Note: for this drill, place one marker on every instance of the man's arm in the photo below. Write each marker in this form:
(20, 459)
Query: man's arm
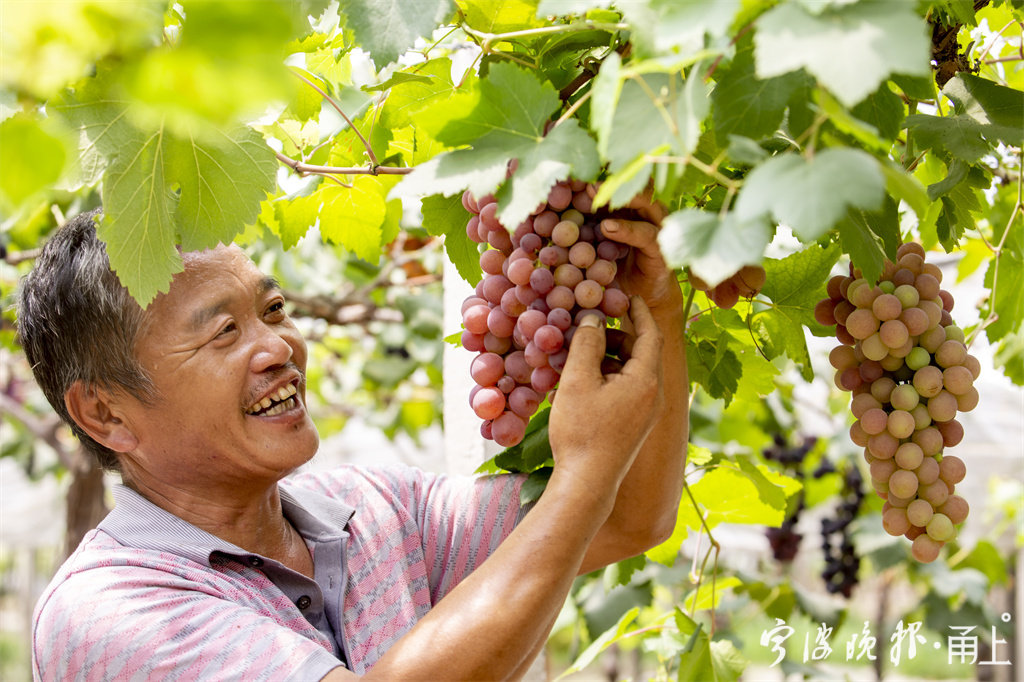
(645, 508)
(491, 623)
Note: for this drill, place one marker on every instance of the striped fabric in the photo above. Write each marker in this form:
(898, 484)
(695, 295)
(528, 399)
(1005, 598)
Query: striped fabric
(148, 596)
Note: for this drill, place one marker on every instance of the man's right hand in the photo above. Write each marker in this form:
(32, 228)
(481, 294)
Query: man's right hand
(598, 422)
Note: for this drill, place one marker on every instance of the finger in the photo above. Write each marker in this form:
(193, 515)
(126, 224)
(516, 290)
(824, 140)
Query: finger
(639, 234)
(646, 356)
(649, 209)
(583, 366)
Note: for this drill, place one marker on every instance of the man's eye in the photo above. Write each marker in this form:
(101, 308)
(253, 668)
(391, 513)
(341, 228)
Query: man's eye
(275, 308)
(228, 328)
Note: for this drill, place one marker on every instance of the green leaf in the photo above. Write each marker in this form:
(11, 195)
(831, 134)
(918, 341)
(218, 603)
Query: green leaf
(716, 368)
(709, 593)
(608, 638)
(387, 28)
(984, 114)
(795, 284)
(687, 517)
(423, 85)
(871, 239)
(446, 216)
(534, 485)
(743, 104)
(354, 216)
(884, 110)
(713, 247)
(500, 16)
(850, 49)
(669, 26)
(1009, 356)
(31, 158)
(1008, 300)
(294, 218)
(729, 495)
(654, 110)
(811, 196)
(605, 95)
(138, 220)
(988, 560)
(221, 185)
(566, 150)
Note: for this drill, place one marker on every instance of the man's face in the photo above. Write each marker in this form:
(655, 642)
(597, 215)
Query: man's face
(228, 365)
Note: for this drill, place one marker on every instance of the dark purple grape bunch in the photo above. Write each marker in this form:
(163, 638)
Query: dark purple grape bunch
(841, 559)
(785, 540)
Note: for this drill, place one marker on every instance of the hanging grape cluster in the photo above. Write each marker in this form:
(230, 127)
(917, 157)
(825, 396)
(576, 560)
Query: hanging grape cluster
(906, 363)
(841, 560)
(539, 281)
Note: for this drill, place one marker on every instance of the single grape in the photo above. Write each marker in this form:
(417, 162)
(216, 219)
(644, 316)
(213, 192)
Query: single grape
(549, 339)
(956, 508)
(927, 472)
(862, 403)
(904, 397)
(916, 321)
(874, 421)
(886, 307)
(903, 483)
(893, 333)
(909, 456)
(488, 402)
(589, 293)
(928, 381)
(925, 549)
(900, 424)
(862, 323)
(952, 432)
(874, 348)
(882, 389)
(930, 440)
(895, 521)
(508, 429)
(524, 401)
(952, 469)
(950, 354)
(919, 512)
(825, 312)
(941, 528)
(487, 368)
(918, 358)
(614, 303)
(942, 407)
(908, 296)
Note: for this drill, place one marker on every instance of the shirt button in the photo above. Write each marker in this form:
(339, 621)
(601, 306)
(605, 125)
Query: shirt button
(255, 561)
(303, 602)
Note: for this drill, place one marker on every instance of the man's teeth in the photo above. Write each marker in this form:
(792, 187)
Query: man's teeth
(283, 398)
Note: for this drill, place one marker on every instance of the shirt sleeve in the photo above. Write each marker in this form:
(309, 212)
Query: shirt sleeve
(127, 623)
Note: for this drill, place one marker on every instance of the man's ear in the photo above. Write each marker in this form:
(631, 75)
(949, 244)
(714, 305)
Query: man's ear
(94, 411)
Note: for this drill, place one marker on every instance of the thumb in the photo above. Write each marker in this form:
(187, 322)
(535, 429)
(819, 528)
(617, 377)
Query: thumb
(583, 366)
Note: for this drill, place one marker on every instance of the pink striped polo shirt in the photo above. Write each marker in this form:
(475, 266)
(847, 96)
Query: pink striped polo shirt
(149, 596)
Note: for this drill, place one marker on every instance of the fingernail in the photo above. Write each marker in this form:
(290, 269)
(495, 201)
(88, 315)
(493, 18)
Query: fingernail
(590, 321)
(610, 225)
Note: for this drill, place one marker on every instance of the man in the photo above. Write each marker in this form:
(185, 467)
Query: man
(213, 566)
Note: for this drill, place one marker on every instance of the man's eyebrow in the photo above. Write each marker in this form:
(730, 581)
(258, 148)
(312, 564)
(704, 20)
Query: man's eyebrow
(204, 315)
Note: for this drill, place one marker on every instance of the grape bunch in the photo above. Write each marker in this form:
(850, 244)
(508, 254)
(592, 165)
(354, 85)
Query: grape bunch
(906, 363)
(539, 281)
(785, 540)
(841, 561)
(745, 283)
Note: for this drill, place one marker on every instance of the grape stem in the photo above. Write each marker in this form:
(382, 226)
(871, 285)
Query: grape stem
(304, 168)
(337, 107)
(714, 547)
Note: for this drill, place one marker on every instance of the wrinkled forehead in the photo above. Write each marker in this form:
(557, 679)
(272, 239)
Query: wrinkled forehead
(214, 275)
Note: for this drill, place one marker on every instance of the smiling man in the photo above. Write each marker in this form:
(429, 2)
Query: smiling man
(217, 563)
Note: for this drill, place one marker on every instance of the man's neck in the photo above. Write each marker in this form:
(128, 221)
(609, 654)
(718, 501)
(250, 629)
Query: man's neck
(252, 519)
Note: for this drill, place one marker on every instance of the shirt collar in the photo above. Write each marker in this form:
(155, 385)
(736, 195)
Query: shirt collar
(137, 522)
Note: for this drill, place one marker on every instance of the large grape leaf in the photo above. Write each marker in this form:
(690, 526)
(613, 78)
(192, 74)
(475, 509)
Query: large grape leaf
(652, 111)
(712, 246)
(794, 284)
(138, 218)
(744, 104)
(387, 28)
(850, 49)
(504, 119)
(985, 114)
(354, 216)
(810, 196)
(221, 185)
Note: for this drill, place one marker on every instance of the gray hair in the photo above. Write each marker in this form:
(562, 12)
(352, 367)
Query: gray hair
(76, 322)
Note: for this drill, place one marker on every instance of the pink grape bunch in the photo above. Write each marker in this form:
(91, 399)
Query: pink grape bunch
(539, 280)
(906, 363)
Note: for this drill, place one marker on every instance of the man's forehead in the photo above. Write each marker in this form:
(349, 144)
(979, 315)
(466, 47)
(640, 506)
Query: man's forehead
(213, 277)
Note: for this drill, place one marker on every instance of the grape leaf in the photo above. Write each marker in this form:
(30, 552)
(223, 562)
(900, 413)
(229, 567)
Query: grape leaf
(713, 247)
(666, 26)
(811, 196)
(861, 235)
(1008, 301)
(795, 284)
(500, 16)
(221, 185)
(31, 158)
(716, 368)
(446, 216)
(504, 119)
(730, 495)
(138, 218)
(429, 84)
(850, 49)
(293, 219)
(884, 110)
(984, 114)
(742, 103)
(387, 28)
(654, 110)
(354, 216)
